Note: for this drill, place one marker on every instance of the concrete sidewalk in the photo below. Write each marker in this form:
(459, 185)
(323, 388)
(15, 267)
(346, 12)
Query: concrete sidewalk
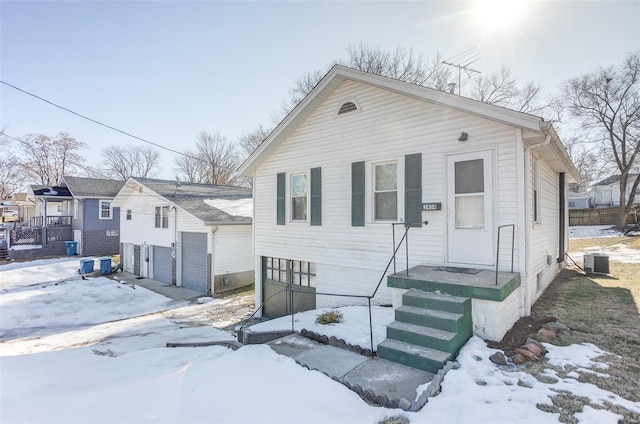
(172, 292)
(383, 382)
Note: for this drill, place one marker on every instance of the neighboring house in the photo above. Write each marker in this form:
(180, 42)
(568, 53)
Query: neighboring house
(578, 200)
(606, 193)
(77, 209)
(197, 236)
(19, 205)
(361, 152)
(95, 222)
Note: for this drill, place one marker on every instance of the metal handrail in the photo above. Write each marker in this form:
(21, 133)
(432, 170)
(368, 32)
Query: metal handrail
(292, 290)
(513, 237)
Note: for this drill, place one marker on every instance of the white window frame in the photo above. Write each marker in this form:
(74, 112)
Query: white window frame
(370, 190)
(100, 210)
(75, 208)
(162, 223)
(290, 196)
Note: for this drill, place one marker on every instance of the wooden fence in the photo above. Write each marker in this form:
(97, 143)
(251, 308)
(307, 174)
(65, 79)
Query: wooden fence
(598, 216)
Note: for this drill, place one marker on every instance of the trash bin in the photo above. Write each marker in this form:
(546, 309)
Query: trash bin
(105, 266)
(86, 266)
(71, 247)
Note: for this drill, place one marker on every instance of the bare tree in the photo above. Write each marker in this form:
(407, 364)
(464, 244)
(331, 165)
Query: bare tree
(402, 64)
(214, 162)
(131, 161)
(501, 88)
(607, 102)
(11, 177)
(45, 160)
(189, 167)
(587, 160)
(250, 141)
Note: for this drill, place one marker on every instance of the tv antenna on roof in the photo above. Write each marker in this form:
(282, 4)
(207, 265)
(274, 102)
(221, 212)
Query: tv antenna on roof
(463, 61)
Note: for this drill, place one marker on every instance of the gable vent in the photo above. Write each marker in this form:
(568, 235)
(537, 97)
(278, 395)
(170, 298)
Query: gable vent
(347, 107)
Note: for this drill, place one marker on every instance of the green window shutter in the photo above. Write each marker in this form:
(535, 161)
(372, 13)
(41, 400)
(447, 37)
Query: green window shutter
(281, 200)
(413, 189)
(357, 194)
(316, 196)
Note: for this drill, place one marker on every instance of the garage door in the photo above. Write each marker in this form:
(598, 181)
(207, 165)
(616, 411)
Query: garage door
(194, 261)
(162, 264)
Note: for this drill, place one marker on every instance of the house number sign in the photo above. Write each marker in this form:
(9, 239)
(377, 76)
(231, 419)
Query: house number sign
(432, 206)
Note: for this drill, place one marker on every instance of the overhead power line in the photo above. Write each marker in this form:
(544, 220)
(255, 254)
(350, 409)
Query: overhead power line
(107, 126)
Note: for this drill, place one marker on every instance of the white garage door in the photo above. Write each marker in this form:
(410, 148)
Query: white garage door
(194, 261)
(162, 264)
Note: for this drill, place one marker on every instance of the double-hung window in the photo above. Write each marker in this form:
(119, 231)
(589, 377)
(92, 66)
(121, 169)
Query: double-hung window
(299, 190)
(385, 191)
(162, 216)
(105, 209)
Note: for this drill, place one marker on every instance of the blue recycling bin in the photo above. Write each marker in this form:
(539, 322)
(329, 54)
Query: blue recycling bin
(86, 266)
(105, 266)
(71, 247)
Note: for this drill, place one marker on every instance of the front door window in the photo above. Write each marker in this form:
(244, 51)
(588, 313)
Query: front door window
(469, 194)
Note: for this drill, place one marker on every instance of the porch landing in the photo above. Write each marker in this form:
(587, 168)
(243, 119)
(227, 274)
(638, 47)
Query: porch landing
(481, 285)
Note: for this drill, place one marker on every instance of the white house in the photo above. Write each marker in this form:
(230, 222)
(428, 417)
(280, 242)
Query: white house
(606, 193)
(578, 200)
(197, 236)
(363, 151)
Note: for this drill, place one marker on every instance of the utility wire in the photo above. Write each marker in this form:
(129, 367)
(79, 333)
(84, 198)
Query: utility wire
(106, 126)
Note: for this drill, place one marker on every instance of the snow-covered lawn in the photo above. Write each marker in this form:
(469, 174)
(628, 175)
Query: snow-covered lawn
(86, 359)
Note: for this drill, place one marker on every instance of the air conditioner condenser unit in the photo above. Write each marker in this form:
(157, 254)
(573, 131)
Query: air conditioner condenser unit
(596, 263)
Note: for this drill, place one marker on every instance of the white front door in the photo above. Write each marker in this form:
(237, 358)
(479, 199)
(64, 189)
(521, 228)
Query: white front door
(470, 208)
(144, 260)
(129, 258)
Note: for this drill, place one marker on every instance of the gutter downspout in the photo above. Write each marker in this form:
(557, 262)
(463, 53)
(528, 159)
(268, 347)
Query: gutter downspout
(214, 230)
(544, 127)
(175, 246)
(562, 217)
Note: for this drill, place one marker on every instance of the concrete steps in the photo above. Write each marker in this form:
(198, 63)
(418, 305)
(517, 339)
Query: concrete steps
(429, 330)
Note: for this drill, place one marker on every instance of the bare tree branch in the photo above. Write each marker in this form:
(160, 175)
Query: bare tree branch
(607, 101)
(131, 161)
(45, 160)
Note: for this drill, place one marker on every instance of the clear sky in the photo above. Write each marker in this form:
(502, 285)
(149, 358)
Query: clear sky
(166, 70)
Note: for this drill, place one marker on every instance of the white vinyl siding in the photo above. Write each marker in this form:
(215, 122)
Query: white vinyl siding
(389, 126)
(543, 247)
(232, 248)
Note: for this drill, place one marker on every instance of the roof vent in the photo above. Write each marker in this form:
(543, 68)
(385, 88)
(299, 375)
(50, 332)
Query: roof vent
(347, 107)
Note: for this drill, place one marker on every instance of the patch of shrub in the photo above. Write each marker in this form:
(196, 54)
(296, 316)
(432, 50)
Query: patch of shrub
(330, 317)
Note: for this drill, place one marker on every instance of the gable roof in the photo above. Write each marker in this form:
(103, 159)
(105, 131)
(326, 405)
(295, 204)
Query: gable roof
(613, 179)
(197, 199)
(91, 187)
(535, 129)
(574, 195)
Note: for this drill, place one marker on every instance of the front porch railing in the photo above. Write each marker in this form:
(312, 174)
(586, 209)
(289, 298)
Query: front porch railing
(513, 236)
(51, 221)
(291, 289)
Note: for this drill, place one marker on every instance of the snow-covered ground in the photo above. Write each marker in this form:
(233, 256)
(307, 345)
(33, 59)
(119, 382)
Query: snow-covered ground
(617, 252)
(74, 350)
